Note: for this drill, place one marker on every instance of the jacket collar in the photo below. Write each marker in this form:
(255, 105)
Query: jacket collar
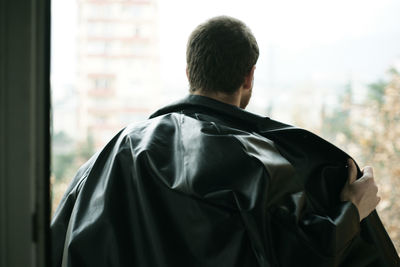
(197, 102)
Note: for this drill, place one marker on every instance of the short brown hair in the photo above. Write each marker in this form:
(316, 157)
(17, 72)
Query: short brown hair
(219, 54)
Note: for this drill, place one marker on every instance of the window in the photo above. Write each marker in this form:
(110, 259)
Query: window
(323, 66)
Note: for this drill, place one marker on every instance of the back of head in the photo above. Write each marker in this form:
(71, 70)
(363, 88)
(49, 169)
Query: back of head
(220, 53)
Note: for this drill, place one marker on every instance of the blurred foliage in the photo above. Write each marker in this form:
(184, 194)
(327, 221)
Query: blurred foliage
(63, 163)
(62, 156)
(87, 149)
(339, 120)
(66, 158)
(370, 132)
(376, 92)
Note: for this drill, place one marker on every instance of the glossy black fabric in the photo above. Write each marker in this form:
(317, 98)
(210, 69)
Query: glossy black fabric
(202, 183)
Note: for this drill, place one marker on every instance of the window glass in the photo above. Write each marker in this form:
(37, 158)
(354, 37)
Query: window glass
(331, 67)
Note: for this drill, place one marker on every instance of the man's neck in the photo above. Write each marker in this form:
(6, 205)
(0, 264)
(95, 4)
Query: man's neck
(232, 99)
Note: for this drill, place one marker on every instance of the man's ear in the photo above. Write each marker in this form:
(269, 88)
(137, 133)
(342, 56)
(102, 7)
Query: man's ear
(248, 80)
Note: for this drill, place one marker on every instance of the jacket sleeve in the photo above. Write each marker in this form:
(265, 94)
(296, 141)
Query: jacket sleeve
(303, 236)
(306, 224)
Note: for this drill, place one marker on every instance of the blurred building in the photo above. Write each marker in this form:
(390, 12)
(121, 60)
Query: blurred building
(118, 77)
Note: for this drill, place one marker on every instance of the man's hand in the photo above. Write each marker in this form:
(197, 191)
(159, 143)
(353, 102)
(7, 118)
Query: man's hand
(362, 192)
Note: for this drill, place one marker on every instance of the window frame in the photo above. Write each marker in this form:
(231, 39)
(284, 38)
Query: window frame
(25, 133)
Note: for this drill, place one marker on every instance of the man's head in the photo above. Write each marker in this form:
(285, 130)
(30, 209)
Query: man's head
(220, 55)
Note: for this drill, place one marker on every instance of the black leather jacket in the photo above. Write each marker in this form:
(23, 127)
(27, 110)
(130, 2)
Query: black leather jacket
(203, 183)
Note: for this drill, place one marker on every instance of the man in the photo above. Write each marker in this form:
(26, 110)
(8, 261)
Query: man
(205, 183)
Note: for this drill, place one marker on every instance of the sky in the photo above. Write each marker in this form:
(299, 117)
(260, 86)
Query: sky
(315, 44)
(307, 38)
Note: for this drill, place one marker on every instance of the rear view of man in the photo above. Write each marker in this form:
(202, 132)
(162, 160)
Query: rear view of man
(205, 183)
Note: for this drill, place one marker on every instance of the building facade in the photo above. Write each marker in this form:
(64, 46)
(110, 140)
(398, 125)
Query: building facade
(118, 77)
